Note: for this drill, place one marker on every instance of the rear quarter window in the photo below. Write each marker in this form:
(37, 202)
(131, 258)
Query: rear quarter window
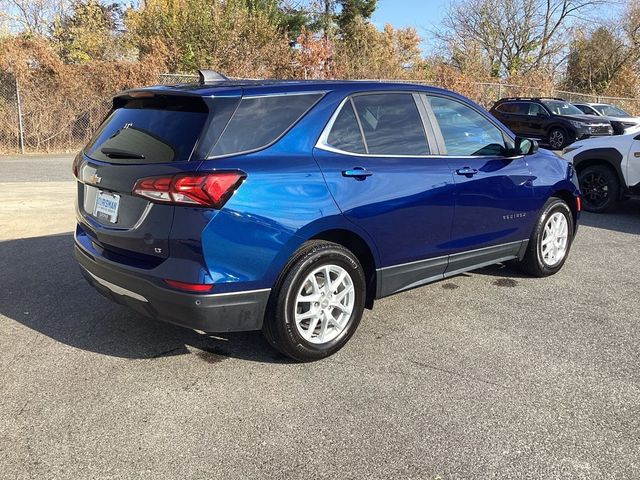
(345, 134)
(259, 121)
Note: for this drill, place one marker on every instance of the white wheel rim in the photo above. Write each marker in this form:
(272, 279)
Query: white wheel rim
(324, 304)
(555, 238)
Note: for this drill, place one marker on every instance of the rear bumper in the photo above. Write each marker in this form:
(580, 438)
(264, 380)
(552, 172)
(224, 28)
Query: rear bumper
(223, 312)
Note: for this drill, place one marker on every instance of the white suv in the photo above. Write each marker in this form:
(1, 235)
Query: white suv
(608, 169)
(620, 120)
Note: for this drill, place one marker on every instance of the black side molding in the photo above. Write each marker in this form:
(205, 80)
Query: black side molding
(396, 278)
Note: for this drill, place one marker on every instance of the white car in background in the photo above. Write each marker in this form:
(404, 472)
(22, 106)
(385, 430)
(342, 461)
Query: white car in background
(620, 120)
(608, 169)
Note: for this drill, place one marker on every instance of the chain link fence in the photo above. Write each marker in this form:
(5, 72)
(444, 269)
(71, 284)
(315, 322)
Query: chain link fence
(35, 118)
(174, 78)
(10, 141)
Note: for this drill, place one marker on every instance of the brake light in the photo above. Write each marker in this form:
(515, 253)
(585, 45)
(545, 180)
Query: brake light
(203, 189)
(189, 287)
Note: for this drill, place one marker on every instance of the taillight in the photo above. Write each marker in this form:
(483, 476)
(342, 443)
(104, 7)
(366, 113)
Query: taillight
(189, 287)
(578, 203)
(200, 189)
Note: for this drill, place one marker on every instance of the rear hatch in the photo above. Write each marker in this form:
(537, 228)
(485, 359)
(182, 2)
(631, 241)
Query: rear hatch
(147, 134)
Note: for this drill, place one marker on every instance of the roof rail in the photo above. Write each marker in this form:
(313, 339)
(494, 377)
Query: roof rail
(531, 98)
(210, 76)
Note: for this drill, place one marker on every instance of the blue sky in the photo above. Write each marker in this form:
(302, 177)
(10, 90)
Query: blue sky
(423, 15)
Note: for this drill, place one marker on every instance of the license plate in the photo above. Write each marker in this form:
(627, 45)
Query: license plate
(107, 206)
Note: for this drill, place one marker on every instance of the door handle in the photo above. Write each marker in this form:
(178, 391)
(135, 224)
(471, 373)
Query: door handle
(467, 171)
(357, 172)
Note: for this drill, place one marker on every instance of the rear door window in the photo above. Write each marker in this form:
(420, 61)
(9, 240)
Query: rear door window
(259, 121)
(160, 129)
(511, 108)
(515, 108)
(521, 108)
(391, 124)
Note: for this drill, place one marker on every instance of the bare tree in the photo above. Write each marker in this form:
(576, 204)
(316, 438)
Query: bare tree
(599, 56)
(32, 16)
(514, 36)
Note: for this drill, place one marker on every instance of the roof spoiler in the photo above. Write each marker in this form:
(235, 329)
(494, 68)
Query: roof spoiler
(210, 76)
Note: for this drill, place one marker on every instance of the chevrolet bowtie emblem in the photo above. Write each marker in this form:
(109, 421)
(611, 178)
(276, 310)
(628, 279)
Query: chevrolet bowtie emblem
(95, 179)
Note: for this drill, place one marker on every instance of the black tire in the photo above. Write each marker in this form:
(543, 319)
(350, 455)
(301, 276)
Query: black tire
(600, 188)
(533, 262)
(280, 328)
(557, 138)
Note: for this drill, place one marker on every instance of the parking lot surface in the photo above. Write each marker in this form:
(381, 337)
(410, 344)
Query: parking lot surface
(486, 375)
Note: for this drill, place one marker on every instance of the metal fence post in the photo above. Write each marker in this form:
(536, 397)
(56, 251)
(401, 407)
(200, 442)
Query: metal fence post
(20, 127)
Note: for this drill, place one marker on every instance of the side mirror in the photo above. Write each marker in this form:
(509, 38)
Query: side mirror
(525, 146)
(541, 115)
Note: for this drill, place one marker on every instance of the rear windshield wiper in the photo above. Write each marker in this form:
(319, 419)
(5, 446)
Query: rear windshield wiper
(117, 153)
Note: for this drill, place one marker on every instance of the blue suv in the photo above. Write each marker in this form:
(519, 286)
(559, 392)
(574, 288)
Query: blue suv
(290, 206)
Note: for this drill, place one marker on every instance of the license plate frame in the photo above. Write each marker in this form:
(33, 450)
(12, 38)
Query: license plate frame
(107, 206)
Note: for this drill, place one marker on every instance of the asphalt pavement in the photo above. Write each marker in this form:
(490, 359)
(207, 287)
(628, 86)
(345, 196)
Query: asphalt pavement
(490, 374)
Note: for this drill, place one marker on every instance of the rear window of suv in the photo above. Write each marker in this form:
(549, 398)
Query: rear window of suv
(259, 121)
(159, 129)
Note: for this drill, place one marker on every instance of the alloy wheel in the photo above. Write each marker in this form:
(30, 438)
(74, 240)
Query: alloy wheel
(556, 139)
(595, 188)
(555, 239)
(324, 304)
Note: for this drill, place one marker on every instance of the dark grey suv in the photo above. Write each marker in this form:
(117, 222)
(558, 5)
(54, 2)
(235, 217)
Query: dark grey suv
(553, 121)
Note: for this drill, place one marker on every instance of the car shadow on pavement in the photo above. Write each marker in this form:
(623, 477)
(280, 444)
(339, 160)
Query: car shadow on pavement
(625, 218)
(42, 288)
(504, 272)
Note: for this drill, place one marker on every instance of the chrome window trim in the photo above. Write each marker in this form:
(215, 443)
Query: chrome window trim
(322, 144)
(322, 141)
(328, 148)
